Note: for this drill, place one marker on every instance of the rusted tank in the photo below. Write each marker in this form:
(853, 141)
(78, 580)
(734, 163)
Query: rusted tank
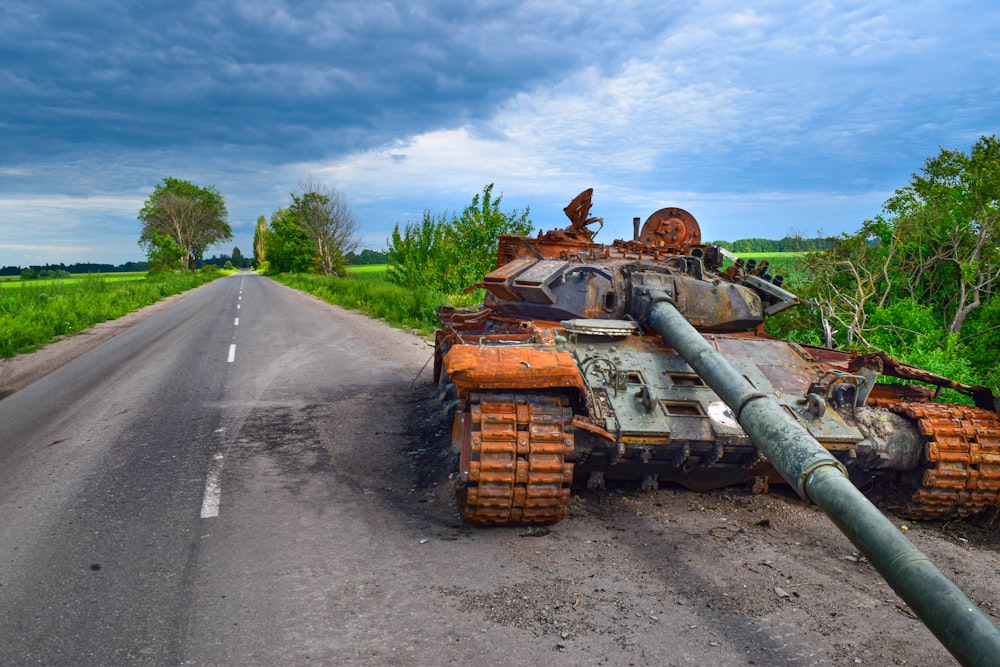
(646, 361)
(562, 381)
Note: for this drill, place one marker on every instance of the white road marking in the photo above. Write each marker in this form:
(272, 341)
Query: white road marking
(236, 322)
(213, 489)
(237, 306)
(232, 353)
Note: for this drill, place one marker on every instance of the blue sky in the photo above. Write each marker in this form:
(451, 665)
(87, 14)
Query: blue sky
(761, 118)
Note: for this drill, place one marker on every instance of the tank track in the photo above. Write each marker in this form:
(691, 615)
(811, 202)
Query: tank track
(963, 457)
(512, 458)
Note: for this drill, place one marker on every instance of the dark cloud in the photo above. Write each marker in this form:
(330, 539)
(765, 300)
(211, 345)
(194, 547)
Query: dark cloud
(274, 75)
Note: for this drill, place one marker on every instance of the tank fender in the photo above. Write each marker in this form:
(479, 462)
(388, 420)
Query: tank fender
(473, 368)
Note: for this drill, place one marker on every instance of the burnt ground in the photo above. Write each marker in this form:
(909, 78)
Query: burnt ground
(766, 571)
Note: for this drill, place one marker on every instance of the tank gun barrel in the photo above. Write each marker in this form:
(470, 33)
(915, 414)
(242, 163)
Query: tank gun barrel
(962, 628)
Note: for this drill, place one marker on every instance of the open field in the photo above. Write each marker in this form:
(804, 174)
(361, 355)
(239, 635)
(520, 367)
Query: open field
(15, 281)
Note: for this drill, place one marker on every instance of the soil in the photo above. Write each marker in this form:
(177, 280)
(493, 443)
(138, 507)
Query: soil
(767, 571)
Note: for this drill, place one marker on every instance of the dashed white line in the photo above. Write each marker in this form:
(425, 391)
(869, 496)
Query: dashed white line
(236, 322)
(213, 489)
(232, 353)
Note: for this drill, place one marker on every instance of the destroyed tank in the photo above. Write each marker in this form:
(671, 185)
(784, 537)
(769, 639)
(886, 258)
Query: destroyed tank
(578, 371)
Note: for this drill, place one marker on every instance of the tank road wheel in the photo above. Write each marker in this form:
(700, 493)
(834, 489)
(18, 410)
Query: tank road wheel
(512, 458)
(962, 454)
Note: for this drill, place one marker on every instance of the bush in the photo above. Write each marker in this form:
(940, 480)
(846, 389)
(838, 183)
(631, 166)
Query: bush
(450, 255)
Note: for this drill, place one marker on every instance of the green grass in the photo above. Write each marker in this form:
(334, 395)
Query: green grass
(367, 290)
(7, 282)
(375, 271)
(788, 264)
(34, 312)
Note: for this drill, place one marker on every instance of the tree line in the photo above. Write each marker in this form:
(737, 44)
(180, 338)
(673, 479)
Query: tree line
(786, 244)
(62, 270)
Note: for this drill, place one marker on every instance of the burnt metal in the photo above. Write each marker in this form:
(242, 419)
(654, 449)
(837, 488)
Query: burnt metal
(646, 359)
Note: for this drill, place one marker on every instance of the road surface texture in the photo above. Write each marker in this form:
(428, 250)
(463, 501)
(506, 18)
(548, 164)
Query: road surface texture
(249, 476)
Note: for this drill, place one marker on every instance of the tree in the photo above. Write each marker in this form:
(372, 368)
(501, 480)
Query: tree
(946, 229)
(288, 249)
(921, 280)
(238, 260)
(194, 217)
(367, 257)
(164, 254)
(327, 221)
(935, 244)
(260, 233)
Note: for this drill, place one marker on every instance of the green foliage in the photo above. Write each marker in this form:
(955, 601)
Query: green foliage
(451, 255)
(922, 279)
(416, 255)
(193, 217)
(33, 314)
(366, 257)
(945, 229)
(786, 244)
(470, 244)
(369, 291)
(163, 253)
(260, 234)
(288, 248)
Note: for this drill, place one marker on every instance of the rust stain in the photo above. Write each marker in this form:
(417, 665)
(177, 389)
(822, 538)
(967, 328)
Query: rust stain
(471, 367)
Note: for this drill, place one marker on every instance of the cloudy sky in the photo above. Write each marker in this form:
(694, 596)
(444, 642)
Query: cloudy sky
(761, 118)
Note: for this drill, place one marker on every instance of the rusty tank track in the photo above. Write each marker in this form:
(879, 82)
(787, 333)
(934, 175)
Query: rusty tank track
(963, 456)
(512, 458)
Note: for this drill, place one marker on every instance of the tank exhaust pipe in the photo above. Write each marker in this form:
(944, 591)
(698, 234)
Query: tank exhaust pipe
(961, 627)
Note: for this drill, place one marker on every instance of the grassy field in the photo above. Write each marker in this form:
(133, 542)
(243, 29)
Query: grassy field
(15, 281)
(788, 264)
(34, 312)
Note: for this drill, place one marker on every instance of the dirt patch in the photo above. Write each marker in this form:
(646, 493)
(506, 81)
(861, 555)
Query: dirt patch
(703, 571)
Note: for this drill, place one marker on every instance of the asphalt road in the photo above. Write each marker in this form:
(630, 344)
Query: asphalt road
(252, 477)
(146, 515)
